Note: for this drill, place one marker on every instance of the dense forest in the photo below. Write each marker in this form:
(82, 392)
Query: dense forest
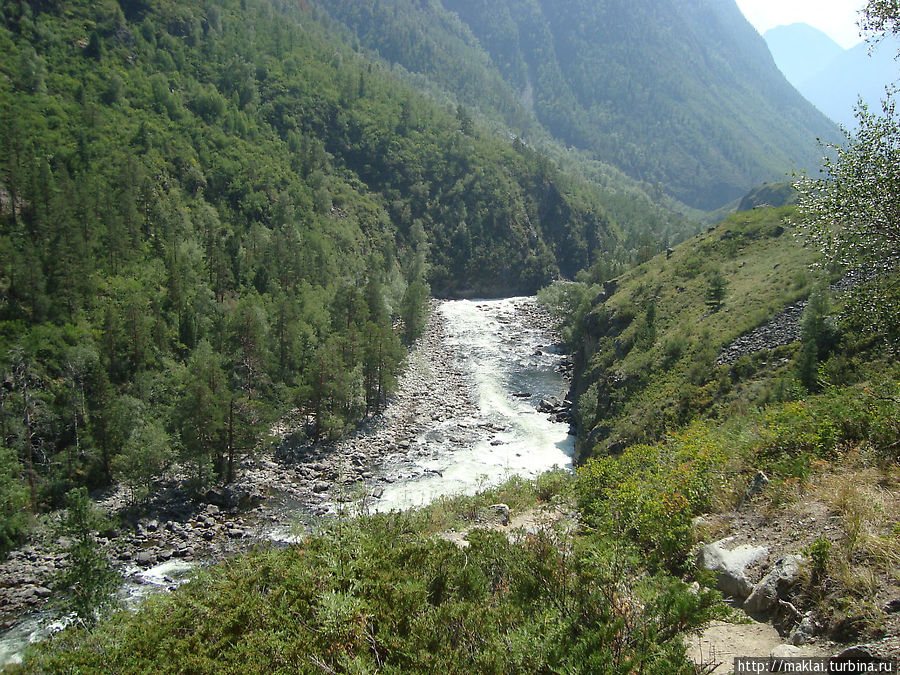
(222, 216)
(683, 97)
(214, 213)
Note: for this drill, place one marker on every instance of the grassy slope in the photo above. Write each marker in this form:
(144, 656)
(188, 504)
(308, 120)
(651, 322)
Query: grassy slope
(648, 357)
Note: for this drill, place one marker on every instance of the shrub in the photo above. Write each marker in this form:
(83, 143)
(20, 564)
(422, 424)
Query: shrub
(649, 494)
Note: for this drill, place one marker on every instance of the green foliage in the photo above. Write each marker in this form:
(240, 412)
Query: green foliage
(716, 288)
(375, 594)
(569, 302)
(88, 582)
(147, 454)
(649, 494)
(817, 337)
(819, 553)
(648, 345)
(13, 501)
(851, 211)
(212, 214)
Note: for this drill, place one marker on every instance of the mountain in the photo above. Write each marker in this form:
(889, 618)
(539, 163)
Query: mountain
(224, 202)
(834, 79)
(801, 51)
(683, 95)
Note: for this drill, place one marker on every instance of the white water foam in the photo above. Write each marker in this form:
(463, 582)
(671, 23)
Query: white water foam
(501, 356)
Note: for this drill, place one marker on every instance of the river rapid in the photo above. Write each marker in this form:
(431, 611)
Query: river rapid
(465, 416)
(507, 358)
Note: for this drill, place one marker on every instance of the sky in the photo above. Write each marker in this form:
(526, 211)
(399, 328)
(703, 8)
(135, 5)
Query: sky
(835, 18)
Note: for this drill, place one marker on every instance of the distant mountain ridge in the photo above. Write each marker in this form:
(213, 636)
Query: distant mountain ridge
(801, 51)
(832, 78)
(684, 95)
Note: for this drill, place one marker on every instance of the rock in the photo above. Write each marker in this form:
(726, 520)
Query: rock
(498, 513)
(882, 652)
(235, 533)
(43, 592)
(145, 558)
(212, 509)
(731, 565)
(892, 607)
(786, 652)
(757, 485)
(804, 631)
(549, 405)
(774, 585)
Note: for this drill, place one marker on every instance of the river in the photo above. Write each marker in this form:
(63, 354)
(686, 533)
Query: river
(466, 417)
(510, 366)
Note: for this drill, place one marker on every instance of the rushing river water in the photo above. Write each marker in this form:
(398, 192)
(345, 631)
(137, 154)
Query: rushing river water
(508, 365)
(510, 368)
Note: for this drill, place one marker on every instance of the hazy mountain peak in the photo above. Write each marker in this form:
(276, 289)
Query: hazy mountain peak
(801, 51)
(830, 77)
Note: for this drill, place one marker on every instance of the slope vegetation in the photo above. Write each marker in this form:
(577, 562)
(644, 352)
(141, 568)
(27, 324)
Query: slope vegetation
(681, 94)
(211, 212)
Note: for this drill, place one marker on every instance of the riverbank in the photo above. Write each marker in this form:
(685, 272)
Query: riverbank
(277, 492)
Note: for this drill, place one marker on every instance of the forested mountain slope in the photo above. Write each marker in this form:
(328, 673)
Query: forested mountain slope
(681, 94)
(211, 212)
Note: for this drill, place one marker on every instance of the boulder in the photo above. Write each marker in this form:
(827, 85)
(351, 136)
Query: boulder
(145, 558)
(756, 487)
(498, 513)
(774, 585)
(785, 652)
(731, 565)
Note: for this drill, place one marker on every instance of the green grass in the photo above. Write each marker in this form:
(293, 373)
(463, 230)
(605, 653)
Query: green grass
(650, 348)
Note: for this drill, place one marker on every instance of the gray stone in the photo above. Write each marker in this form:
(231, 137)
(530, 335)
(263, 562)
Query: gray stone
(757, 485)
(731, 565)
(145, 558)
(804, 631)
(774, 585)
(498, 513)
(786, 652)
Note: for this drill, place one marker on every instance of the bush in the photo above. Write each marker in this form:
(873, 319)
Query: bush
(13, 501)
(649, 494)
(403, 603)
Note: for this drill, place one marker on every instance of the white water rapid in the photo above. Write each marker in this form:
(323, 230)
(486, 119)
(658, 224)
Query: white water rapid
(506, 360)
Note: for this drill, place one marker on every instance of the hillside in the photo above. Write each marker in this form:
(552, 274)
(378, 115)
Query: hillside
(681, 95)
(649, 345)
(211, 213)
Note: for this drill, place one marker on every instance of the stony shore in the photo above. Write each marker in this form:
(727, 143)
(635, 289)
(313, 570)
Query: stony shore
(299, 481)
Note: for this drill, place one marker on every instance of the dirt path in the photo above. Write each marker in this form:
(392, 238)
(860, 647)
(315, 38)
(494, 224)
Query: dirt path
(721, 642)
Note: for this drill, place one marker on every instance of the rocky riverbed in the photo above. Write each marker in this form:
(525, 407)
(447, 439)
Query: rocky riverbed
(280, 493)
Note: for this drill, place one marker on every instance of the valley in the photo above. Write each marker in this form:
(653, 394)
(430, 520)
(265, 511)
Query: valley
(403, 336)
(464, 418)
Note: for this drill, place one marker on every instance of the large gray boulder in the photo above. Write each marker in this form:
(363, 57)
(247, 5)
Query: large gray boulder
(774, 585)
(731, 565)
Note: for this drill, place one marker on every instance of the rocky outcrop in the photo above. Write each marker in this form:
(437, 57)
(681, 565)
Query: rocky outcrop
(731, 565)
(774, 586)
(782, 329)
